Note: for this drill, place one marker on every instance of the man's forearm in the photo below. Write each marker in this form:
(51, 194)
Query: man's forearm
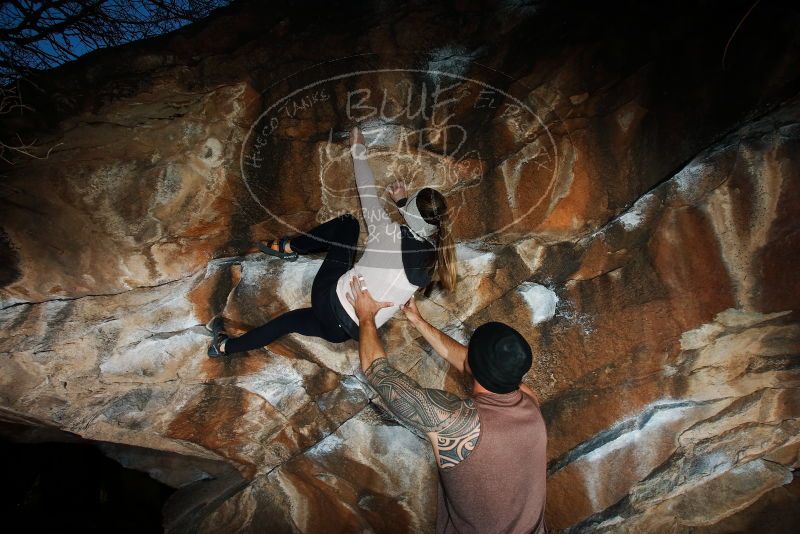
(448, 348)
(369, 344)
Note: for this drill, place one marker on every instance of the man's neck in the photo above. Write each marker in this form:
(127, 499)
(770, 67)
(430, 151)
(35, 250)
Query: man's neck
(478, 389)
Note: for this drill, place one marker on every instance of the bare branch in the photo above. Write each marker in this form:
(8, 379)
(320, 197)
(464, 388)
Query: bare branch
(44, 34)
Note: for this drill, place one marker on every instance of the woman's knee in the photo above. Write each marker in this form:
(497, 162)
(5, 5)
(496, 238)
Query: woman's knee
(349, 224)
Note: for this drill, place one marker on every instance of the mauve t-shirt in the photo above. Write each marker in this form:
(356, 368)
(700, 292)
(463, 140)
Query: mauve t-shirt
(500, 486)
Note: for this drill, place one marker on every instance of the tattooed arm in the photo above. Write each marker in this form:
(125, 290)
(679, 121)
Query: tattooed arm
(452, 424)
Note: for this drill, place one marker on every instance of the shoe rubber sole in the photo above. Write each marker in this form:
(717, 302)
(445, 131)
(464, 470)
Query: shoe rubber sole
(292, 256)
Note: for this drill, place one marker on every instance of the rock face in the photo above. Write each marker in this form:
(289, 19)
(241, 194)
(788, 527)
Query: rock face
(621, 197)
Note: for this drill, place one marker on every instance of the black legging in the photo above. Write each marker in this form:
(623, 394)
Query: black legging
(339, 237)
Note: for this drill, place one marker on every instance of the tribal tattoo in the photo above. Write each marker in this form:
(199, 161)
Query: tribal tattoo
(453, 421)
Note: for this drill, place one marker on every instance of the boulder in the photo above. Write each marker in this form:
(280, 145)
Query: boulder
(620, 196)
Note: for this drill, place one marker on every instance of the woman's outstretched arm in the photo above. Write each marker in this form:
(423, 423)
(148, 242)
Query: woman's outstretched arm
(375, 215)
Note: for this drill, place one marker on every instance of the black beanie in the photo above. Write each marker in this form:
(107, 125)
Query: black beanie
(499, 357)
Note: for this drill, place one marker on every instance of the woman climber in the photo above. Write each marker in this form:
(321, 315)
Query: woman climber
(398, 260)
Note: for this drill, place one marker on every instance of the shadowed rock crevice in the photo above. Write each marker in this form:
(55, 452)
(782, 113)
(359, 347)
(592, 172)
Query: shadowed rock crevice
(9, 259)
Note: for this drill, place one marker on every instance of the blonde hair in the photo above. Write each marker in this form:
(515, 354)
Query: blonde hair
(433, 208)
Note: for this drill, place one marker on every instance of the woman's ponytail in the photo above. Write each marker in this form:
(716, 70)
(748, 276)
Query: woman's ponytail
(446, 267)
(433, 208)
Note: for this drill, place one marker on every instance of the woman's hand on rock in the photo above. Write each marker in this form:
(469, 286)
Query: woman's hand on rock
(397, 190)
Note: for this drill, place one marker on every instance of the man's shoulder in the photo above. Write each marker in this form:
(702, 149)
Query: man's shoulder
(457, 407)
(526, 407)
(459, 434)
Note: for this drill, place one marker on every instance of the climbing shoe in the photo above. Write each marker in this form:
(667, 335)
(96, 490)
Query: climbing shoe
(217, 328)
(281, 252)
